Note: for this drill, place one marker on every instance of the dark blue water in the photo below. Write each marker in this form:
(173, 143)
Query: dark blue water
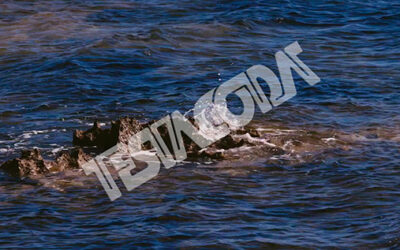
(65, 64)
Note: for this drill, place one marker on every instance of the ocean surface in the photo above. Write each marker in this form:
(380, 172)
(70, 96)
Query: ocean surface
(65, 64)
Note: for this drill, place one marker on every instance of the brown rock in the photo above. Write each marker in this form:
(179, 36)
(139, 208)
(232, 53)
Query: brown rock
(90, 137)
(30, 163)
(251, 131)
(120, 131)
(72, 159)
(228, 142)
(123, 129)
(275, 150)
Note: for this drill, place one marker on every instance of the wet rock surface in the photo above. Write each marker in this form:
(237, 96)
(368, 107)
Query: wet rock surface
(72, 159)
(120, 131)
(270, 142)
(31, 163)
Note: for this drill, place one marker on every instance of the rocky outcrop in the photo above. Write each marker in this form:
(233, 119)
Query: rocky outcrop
(97, 139)
(31, 163)
(72, 159)
(120, 131)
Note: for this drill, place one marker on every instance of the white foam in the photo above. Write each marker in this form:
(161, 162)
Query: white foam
(56, 150)
(255, 140)
(328, 139)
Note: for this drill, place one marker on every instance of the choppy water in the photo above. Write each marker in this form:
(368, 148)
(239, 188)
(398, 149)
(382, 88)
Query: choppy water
(64, 64)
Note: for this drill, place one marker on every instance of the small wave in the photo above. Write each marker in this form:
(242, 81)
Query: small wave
(4, 150)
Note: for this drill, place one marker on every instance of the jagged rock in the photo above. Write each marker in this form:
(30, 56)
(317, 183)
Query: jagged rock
(228, 142)
(98, 139)
(72, 159)
(120, 131)
(90, 137)
(124, 128)
(251, 131)
(30, 163)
